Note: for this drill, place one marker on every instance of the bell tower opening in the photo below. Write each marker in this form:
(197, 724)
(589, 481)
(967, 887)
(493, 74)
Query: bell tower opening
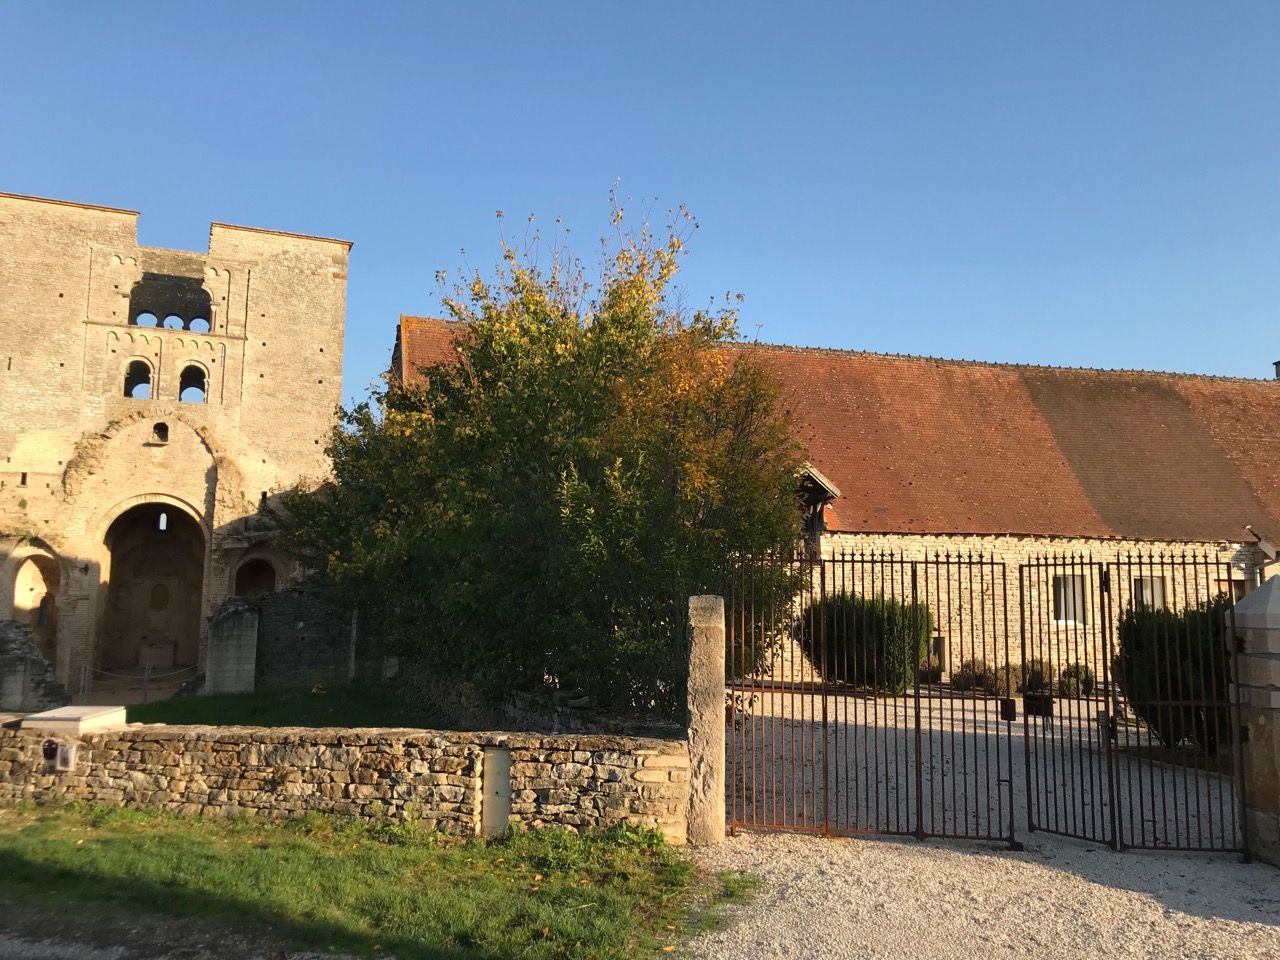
(154, 590)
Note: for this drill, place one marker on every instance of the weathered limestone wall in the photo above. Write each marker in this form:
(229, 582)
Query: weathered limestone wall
(261, 313)
(295, 637)
(27, 683)
(430, 777)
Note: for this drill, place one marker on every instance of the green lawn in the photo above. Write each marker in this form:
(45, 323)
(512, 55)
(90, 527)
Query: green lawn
(324, 884)
(356, 705)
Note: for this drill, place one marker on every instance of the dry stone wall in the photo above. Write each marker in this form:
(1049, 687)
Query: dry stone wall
(430, 777)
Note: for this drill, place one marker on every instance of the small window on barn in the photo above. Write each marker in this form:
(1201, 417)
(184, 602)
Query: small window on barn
(160, 433)
(1068, 598)
(191, 387)
(1148, 592)
(255, 578)
(137, 380)
(198, 325)
(146, 319)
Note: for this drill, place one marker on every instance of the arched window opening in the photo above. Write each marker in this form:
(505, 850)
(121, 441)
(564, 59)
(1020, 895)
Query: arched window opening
(137, 380)
(170, 296)
(191, 387)
(198, 325)
(162, 522)
(160, 433)
(255, 578)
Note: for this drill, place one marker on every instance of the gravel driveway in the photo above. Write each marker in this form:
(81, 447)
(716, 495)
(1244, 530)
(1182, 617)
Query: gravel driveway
(906, 899)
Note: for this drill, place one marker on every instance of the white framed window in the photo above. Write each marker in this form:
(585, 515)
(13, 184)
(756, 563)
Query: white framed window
(1068, 597)
(1148, 592)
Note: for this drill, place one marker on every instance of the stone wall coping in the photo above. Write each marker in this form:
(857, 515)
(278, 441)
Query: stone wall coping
(365, 736)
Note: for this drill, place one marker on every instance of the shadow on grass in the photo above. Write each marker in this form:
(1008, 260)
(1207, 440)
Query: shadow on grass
(56, 888)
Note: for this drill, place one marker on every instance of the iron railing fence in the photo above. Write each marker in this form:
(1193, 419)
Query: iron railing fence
(1137, 742)
(839, 721)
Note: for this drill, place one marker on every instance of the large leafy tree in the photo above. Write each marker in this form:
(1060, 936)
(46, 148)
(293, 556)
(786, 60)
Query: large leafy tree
(540, 506)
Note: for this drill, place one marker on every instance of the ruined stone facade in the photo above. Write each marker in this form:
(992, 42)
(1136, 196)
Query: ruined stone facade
(150, 401)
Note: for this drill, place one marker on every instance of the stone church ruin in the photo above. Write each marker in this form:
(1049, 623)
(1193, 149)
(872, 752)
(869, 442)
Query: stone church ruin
(150, 401)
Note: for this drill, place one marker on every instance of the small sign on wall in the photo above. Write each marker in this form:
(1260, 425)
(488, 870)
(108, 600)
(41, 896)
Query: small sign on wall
(59, 757)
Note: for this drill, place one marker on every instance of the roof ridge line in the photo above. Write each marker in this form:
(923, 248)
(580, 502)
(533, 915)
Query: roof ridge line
(1008, 365)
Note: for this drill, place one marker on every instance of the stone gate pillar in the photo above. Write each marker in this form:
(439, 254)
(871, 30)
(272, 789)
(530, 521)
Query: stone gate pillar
(706, 720)
(1257, 619)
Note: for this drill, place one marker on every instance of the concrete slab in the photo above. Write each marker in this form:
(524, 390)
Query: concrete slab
(75, 720)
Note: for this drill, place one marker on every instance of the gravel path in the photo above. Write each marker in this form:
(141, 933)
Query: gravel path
(887, 899)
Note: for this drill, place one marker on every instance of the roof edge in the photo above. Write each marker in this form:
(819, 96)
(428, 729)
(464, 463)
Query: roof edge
(960, 362)
(68, 203)
(280, 233)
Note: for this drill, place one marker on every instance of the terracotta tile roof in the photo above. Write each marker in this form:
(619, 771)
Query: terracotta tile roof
(919, 445)
(421, 342)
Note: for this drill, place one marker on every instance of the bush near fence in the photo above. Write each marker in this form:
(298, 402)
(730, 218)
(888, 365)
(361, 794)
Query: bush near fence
(876, 641)
(1174, 669)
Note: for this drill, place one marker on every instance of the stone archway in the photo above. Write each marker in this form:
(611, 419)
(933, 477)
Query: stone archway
(35, 594)
(154, 591)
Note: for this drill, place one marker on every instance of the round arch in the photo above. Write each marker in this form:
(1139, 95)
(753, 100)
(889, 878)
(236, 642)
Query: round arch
(34, 576)
(155, 556)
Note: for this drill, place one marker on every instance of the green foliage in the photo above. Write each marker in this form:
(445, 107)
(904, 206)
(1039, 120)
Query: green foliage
(876, 642)
(981, 677)
(324, 884)
(1037, 677)
(542, 505)
(1173, 669)
(1076, 680)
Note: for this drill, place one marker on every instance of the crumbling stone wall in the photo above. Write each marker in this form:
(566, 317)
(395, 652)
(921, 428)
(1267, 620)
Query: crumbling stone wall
(431, 777)
(27, 683)
(296, 637)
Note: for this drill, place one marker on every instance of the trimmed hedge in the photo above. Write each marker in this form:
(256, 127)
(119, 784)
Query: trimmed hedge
(1174, 670)
(876, 642)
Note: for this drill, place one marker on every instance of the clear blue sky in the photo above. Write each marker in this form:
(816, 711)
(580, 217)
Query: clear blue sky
(1071, 183)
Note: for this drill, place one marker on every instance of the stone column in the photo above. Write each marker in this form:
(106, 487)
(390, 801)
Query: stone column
(231, 659)
(1257, 619)
(706, 720)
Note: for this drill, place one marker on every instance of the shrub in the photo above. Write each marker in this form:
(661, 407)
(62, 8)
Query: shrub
(972, 675)
(876, 641)
(1003, 681)
(1076, 680)
(931, 670)
(1174, 671)
(982, 677)
(1037, 677)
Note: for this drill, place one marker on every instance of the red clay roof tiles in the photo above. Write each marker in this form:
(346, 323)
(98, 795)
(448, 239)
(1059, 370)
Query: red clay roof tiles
(918, 445)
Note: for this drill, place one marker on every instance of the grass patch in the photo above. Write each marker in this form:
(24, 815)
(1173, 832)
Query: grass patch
(319, 883)
(355, 705)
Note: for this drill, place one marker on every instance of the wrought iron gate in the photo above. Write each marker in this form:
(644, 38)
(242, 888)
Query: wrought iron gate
(869, 693)
(837, 722)
(1131, 737)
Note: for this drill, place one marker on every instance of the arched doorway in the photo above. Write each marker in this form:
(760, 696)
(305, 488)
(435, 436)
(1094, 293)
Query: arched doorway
(254, 578)
(154, 592)
(35, 592)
